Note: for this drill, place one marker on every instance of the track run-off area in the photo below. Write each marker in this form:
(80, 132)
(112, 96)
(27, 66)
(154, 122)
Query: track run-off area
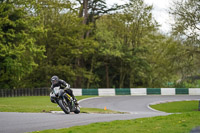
(135, 106)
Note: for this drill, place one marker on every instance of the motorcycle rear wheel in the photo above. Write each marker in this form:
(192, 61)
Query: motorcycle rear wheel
(77, 111)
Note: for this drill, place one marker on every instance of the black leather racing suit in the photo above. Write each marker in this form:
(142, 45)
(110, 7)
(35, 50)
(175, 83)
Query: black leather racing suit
(62, 84)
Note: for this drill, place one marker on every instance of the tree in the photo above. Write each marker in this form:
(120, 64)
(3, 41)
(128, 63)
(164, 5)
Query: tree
(67, 52)
(110, 48)
(18, 51)
(138, 24)
(123, 53)
(90, 11)
(166, 58)
(187, 28)
(187, 20)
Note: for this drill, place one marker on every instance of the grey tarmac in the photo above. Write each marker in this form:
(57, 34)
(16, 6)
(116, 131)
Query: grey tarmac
(137, 106)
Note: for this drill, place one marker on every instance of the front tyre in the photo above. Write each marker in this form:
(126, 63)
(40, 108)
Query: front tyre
(64, 106)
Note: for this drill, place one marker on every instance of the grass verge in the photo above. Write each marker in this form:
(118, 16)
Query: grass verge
(38, 104)
(177, 107)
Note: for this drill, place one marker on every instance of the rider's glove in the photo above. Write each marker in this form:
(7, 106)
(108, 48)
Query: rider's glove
(67, 86)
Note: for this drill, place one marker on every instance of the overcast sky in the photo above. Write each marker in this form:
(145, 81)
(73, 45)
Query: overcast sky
(160, 11)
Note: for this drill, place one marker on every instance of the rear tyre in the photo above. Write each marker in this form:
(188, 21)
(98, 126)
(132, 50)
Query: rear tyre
(64, 106)
(77, 111)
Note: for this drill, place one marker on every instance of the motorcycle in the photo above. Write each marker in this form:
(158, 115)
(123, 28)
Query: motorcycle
(64, 100)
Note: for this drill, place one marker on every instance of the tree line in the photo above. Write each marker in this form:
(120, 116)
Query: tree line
(91, 45)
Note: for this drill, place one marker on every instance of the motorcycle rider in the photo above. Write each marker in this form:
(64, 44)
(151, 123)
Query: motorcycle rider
(63, 85)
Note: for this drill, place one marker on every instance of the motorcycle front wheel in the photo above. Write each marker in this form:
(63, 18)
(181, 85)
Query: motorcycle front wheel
(64, 106)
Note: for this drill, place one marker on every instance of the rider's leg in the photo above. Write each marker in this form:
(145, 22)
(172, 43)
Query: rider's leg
(70, 92)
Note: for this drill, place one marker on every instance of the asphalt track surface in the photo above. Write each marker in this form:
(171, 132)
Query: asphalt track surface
(137, 106)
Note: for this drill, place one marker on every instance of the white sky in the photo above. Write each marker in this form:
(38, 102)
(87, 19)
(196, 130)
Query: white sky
(160, 11)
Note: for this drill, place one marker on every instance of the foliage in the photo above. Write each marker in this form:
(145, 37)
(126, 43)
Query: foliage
(188, 84)
(18, 51)
(187, 20)
(186, 29)
(90, 45)
(121, 44)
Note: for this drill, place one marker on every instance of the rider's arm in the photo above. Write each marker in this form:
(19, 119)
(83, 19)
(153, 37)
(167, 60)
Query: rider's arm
(67, 86)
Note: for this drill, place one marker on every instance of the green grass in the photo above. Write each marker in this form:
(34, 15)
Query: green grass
(175, 123)
(30, 104)
(177, 107)
(39, 104)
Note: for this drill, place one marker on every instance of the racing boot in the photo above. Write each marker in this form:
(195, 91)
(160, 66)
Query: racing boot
(75, 101)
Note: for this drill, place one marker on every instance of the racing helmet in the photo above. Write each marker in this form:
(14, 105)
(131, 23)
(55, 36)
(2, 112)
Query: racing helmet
(54, 80)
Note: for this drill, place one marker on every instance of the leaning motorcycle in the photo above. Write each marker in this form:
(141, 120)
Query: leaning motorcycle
(64, 100)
